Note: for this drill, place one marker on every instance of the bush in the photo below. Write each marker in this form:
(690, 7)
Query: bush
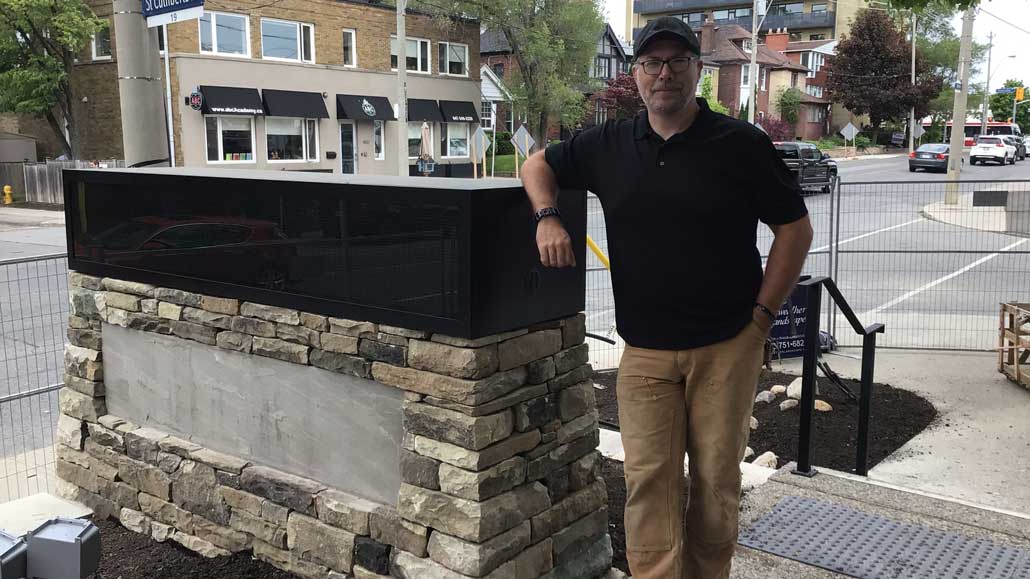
(502, 140)
(830, 142)
(862, 141)
(778, 129)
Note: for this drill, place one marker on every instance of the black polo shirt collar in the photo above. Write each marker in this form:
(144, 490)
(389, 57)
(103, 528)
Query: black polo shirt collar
(705, 117)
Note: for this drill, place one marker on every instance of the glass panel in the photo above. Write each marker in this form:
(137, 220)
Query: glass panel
(211, 125)
(347, 147)
(441, 57)
(818, 7)
(721, 15)
(348, 48)
(457, 140)
(161, 38)
(414, 139)
(312, 139)
(307, 45)
(424, 67)
(457, 55)
(412, 55)
(231, 34)
(393, 53)
(236, 139)
(278, 40)
(206, 44)
(103, 43)
(377, 139)
(285, 139)
(444, 149)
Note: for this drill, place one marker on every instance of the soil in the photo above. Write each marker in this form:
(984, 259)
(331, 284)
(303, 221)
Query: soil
(897, 416)
(128, 555)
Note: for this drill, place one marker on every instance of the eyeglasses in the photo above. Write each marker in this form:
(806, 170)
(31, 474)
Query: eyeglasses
(676, 65)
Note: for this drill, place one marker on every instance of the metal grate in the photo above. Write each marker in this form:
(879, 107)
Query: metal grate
(857, 544)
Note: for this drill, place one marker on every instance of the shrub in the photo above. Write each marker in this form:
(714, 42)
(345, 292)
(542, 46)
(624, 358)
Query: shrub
(778, 129)
(862, 141)
(502, 140)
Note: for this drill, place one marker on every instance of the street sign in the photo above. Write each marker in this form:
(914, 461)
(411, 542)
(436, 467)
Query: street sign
(849, 132)
(523, 141)
(161, 12)
(1005, 90)
(918, 131)
(480, 143)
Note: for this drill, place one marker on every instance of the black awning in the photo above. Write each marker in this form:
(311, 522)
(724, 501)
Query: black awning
(364, 108)
(230, 100)
(459, 112)
(424, 110)
(289, 103)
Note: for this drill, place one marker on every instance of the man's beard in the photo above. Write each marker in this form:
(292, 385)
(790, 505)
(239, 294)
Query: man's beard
(665, 105)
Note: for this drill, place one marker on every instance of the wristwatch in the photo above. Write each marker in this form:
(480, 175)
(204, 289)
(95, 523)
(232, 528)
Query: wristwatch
(546, 212)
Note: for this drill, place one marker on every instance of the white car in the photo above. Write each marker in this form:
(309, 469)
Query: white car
(992, 148)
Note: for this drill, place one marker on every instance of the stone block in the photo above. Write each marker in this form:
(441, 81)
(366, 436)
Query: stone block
(198, 545)
(169, 311)
(274, 513)
(478, 342)
(535, 413)
(558, 484)
(573, 508)
(144, 444)
(338, 343)
(82, 302)
(195, 489)
(78, 323)
(135, 521)
(147, 323)
(102, 508)
(531, 347)
(234, 341)
(161, 532)
(479, 486)
(594, 561)
(472, 520)
(298, 335)
(280, 350)
(83, 362)
(540, 371)
(89, 339)
(110, 421)
(362, 573)
(225, 537)
(78, 405)
(314, 322)
(352, 328)
(113, 316)
(344, 511)
(341, 363)
(118, 493)
(240, 501)
(578, 427)
(561, 456)
(576, 539)
(420, 471)
(506, 401)
(474, 433)
(178, 297)
(76, 457)
(77, 475)
(271, 554)
(306, 569)
(229, 307)
(572, 358)
(149, 479)
(468, 392)
(127, 302)
(195, 332)
(168, 462)
(478, 559)
(574, 331)
(386, 526)
(253, 327)
(106, 437)
(585, 471)
(178, 446)
(270, 533)
(472, 363)
(71, 431)
(88, 387)
(207, 318)
(316, 541)
(576, 401)
(577, 376)
(219, 461)
(76, 279)
(281, 488)
(380, 352)
(149, 306)
(128, 287)
(390, 339)
(103, 470)
(270, 313)
(372, 555)
(165, 512)
(476, 460)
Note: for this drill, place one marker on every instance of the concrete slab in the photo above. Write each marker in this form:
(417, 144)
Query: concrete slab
(21, 516)
(22, 216)
(977, 449)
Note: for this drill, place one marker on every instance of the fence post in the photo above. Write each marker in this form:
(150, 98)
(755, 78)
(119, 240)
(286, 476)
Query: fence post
(865, 403)
(815, 297)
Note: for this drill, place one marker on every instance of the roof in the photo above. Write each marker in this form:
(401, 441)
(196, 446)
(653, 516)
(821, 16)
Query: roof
(728, 51)
(615, 41)
(486, 75)
(809, 99)
(492, 41)
(823, 46)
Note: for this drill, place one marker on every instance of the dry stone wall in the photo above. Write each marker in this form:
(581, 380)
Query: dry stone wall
(499, 468)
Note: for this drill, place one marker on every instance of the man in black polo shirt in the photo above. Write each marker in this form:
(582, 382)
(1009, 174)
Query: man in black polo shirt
(683, 189)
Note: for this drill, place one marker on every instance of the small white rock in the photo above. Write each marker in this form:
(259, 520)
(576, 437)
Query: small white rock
(778, 389)
(765, 396)
(767, 460)
(794, 390)
(754, 423)
(823, 406)
(748, 453)
(788, 404)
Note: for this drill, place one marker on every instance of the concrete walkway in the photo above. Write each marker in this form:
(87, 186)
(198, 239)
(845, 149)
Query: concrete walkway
(978, 450)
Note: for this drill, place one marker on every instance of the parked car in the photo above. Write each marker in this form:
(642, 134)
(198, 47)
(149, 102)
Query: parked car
(992, 148)
(931, 156)
(1017, 142)
(815, 170)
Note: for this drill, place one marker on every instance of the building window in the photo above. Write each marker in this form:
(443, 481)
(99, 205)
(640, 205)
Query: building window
(819, 8)
(453, 58)
(227, 34)
(511, 122)
(745, 75)
(292, 139)
(499, 70)
(817, 37)
(600, 113)
(761, 115)
(416, 56)
(814, 90)
(378, 140)
(816, 114)
(722, 15)
(454, 140)
(793, 8)
(793, 79)
(486, 115)
(814, 62)
(746, 45)
(602, 67)
(795, 37)
(764, 72)
(161, 39)
(693, 18)
(102, 44)
(283, 40)
(350, 50)
(415, 139)
(230, 139)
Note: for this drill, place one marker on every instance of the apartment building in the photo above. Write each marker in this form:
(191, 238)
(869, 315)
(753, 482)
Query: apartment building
(306, 85)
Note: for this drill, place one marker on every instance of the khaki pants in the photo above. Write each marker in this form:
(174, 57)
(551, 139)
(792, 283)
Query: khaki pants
(697, 402)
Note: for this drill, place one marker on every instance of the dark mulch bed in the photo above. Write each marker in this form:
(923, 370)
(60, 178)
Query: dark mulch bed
(897, 416)
(127, 555)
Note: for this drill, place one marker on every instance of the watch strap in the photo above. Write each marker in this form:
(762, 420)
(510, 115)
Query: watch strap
(546, 212)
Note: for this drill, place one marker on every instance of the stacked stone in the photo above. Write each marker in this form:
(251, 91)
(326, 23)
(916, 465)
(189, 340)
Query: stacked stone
(500, 473)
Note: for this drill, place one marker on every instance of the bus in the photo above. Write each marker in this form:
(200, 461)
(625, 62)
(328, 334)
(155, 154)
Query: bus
(972, 130)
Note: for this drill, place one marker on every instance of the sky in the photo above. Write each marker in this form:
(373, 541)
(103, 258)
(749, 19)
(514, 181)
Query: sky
(1009, 20)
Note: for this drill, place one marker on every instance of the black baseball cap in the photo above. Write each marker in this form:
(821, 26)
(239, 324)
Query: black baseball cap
(667, 27)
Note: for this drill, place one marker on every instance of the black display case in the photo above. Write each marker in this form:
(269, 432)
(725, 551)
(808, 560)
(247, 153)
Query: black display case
(454, 256)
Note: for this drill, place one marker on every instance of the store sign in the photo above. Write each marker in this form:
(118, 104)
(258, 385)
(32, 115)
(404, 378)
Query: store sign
(196, 100)
(367, 108)
(161, 12)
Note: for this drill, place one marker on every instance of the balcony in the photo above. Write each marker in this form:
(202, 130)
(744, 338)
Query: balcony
(662, 6)
(789, 21)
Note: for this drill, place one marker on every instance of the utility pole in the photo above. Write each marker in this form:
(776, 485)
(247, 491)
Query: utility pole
(144, 127)
(912, 113)
(402, 90)
(752, 72)
(987, 87)
(958, 112)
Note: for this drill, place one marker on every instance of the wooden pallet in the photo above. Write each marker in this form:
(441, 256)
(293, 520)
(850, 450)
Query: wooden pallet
(1014, 343)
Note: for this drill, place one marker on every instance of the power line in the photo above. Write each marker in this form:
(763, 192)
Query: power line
(1023, 30)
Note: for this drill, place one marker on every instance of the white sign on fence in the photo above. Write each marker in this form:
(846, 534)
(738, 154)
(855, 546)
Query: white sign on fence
(849, 132)
(523, 141)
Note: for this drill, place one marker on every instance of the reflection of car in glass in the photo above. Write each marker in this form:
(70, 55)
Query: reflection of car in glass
(244, 251)
(931, 156)
(815, 169)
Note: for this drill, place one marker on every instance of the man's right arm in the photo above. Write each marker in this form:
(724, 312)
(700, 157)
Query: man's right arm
(541, 185)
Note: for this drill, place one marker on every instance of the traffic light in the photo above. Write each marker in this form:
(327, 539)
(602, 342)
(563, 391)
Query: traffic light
(1019, 93)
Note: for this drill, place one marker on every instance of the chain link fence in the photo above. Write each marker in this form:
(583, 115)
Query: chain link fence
(33, 315)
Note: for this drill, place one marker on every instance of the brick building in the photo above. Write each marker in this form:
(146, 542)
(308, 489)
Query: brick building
(817, 112)
(297, 85)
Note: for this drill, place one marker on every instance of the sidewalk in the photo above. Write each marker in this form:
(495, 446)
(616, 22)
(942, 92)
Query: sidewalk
(22, 217)
(31, 232)
(861, 157)
(963, 214)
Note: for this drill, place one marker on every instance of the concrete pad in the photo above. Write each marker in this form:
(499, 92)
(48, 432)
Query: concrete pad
(21, 516)
(23, 216)
(977, 449)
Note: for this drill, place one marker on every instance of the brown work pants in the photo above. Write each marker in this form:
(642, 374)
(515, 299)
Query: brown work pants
(697, 402)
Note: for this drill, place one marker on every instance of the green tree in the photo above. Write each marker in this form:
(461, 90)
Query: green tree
(706, 93)
(788, 102)
(553, 43)
(1001, 105)
(39, 40)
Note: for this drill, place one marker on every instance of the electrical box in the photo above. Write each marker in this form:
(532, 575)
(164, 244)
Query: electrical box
(64, 549)
(13, 557)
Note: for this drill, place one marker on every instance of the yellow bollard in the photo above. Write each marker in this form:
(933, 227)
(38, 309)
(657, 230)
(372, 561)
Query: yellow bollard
(7, 195)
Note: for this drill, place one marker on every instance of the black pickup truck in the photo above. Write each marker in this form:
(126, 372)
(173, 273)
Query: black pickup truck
(815, 170)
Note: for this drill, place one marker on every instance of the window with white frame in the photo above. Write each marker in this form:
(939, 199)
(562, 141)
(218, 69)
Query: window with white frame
(102, 44)
(227, 34)
(486, 115)
(814, 90)
(350, 47)
(379, 140)
(602, 67)
(454, 140)
(415, 139)
(816, 114)
(793, 79)
(600, 113)
(416, 56)
(764, 73)
(818, 7)
(291, 139)
(745, 75)
(453, 58)
(746, 45)
(285, 40)
(511, 122)
(229, 139)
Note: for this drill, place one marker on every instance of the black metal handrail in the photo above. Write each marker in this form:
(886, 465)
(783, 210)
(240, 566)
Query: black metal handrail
(812, 345)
